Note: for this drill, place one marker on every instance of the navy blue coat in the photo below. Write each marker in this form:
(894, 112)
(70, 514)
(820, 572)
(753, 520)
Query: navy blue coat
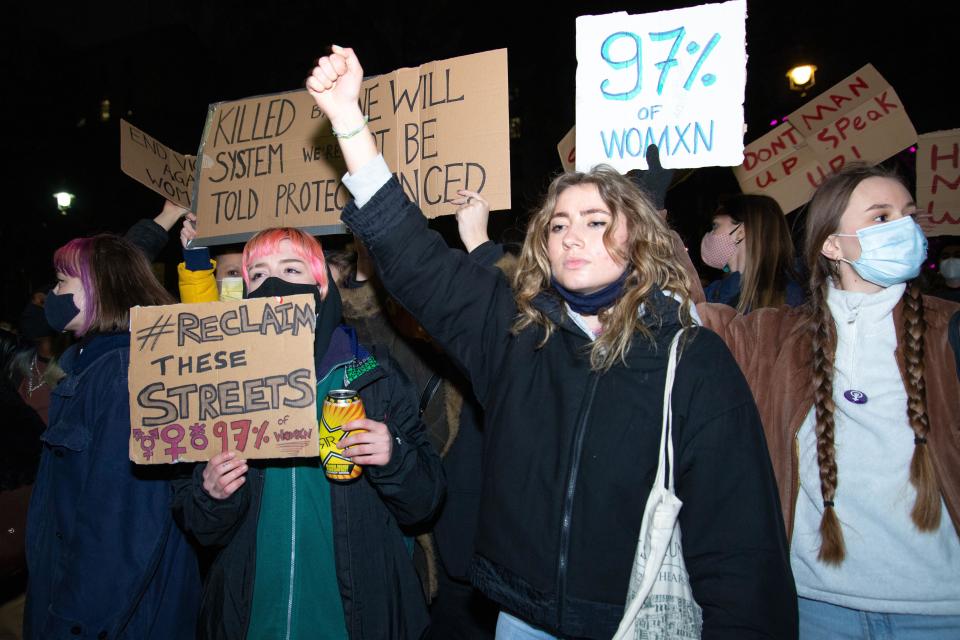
(105, 557)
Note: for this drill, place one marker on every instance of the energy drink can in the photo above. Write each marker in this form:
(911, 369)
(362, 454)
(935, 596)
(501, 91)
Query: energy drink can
(339, 407)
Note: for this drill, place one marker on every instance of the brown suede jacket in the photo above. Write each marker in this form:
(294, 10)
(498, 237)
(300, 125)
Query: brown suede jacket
(773, 348)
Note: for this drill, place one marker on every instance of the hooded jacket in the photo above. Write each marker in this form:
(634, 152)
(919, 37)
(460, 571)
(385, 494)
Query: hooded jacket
(570, 453)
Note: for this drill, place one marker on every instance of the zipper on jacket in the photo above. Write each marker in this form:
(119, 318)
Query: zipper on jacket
(568, 498)
(293, 547)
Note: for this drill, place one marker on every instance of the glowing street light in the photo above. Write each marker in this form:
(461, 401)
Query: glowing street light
(64, 200)
(802, 78)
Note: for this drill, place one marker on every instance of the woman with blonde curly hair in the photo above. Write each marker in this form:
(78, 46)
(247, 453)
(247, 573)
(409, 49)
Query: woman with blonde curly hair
(570, 371)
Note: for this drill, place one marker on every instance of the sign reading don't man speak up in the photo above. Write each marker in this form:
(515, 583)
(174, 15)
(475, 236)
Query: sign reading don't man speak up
(221, 376)
(860, 119)
(273, 160)
(675, 79)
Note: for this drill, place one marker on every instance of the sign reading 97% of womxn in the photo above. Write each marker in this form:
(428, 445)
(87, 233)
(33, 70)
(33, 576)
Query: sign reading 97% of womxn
(674, 79)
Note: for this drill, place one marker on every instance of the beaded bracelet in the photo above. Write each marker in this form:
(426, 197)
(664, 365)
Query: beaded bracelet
(350, 134)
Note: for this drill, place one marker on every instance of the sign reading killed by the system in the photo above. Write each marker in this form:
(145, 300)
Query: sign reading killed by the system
(675, 79)
(860, 119)
(221, 376)
(938, 182)
(274, 161)
(156, 166)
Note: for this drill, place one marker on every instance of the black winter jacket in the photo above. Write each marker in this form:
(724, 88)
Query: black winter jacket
(379, 588)
(570, 454)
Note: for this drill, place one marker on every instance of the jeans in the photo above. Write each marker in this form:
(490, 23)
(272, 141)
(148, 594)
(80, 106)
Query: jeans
(510, 628)
(822, 621)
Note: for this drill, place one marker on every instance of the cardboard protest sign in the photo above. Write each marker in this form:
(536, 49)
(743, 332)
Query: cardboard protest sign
(156, 166)
(675, 79)
(860, 119)
(567, 148)
(273, 160)
(781, 165)
(938, 179)
(223, 376)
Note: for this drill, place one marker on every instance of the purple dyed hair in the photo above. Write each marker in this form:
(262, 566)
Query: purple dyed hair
(73, 259)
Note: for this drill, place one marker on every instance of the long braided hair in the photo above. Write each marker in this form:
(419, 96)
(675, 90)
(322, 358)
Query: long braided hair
(823, 219)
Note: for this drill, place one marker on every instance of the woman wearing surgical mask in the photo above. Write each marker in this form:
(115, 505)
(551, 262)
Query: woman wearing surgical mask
(299, 555)
(106, 559)
(861, 404)
(750, 241)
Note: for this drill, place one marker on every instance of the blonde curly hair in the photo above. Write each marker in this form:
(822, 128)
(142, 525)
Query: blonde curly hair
(649, 253)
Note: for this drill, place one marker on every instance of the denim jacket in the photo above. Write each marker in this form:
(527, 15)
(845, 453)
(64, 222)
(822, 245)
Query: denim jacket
(106, 559)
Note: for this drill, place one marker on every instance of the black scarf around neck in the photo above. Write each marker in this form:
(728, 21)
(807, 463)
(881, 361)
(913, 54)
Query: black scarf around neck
(329, 311)
(590, 304)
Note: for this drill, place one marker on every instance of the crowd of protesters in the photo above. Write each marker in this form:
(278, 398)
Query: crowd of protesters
(514, 404)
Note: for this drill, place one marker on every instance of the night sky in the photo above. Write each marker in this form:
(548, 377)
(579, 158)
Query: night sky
(161, 64)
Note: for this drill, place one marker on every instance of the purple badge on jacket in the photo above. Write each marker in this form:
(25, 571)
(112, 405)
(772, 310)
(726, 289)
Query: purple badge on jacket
(854, 396)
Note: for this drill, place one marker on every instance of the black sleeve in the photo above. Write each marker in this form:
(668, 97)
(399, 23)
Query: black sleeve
(150, 237)
(466, 307)
(487, 253)
(412, 484)
(734, 541)
(212, 522)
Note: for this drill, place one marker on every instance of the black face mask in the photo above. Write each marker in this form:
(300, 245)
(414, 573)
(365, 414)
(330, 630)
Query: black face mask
(328, 311)
(59, 310)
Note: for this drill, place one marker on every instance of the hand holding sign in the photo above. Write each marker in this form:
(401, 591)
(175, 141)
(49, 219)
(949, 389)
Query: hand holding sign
(223, 475)
(472, 217)
(371, 446)
(189, 230)
(335, 86)
(170, 215)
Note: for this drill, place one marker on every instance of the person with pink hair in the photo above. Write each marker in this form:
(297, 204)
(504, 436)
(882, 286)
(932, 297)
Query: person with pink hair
(300, 555)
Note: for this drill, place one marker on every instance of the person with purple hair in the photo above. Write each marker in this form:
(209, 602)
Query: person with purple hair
(104, 555)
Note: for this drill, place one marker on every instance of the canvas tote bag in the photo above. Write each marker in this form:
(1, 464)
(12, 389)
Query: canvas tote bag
(660, 601)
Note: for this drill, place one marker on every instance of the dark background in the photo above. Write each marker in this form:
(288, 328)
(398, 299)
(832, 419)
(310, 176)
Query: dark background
(161, 64)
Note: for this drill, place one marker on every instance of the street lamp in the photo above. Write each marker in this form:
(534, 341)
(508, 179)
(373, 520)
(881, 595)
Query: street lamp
(802, 77)
(64, 200)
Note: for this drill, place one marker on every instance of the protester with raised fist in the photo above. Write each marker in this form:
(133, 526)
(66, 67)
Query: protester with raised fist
(570, 366)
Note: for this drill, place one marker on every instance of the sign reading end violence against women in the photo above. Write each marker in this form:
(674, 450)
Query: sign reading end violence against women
(860, 119)
(221, 376)
(675, 79)
(156, 166)
(938, 182)
(274, 161)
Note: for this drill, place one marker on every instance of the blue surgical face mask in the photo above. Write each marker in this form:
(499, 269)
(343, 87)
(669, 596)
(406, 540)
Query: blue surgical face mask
(890, 252)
